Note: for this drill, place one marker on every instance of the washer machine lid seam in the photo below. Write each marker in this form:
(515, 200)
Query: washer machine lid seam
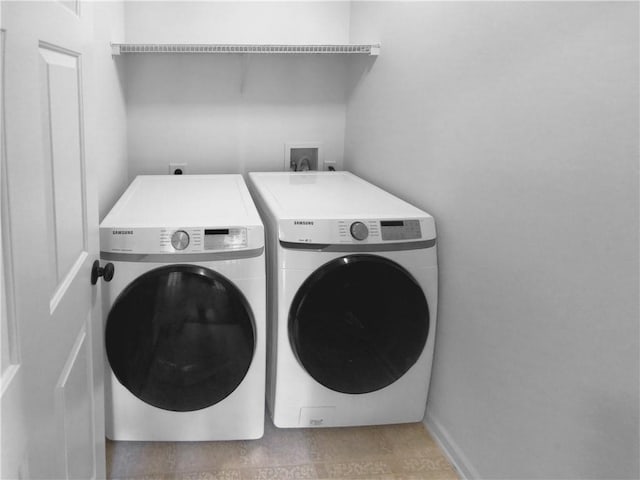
(388, 247)
(181, 257)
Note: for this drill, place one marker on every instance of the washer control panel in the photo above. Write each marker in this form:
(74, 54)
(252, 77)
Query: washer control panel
(203, 239)
(356, 231)
(180, 239)
(376, 230)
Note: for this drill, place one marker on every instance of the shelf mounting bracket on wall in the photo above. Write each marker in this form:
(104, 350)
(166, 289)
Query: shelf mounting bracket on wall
(257, 48)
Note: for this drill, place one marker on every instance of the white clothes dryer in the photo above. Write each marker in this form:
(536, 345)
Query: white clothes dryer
(185, 311)
(352, 298)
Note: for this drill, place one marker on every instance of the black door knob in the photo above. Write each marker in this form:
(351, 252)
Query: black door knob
(105, 272)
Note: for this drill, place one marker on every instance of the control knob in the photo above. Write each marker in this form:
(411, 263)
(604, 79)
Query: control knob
(180, 240)
(359, 231)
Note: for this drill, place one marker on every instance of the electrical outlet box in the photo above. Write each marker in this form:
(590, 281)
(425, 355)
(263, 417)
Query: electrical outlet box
(330, 166)
(299, 157)
(177, 168)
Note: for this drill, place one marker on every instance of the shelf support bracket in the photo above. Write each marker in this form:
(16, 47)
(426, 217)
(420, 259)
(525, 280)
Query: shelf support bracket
(244, 59)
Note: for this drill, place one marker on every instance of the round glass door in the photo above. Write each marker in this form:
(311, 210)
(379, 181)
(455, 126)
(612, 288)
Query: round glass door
(180, 337)
(358, 323)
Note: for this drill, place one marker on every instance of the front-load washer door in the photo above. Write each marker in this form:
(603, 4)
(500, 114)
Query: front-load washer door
(358, 323)
(180, 337)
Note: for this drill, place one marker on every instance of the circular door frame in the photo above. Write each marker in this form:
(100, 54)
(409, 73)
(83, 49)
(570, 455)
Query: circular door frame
(320, 274)
(211, 275)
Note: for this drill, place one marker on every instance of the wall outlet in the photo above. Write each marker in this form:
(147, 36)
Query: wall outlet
(299, 157)
(177, 168)
(330, 166)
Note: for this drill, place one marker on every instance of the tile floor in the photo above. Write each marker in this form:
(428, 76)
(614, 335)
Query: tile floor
(390, 452)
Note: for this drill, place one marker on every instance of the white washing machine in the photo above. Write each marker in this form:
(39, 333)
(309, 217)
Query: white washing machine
(352, 294)
(185, 310)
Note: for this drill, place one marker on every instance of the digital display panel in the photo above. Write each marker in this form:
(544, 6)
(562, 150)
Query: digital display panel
(225, 238)
(400, 229)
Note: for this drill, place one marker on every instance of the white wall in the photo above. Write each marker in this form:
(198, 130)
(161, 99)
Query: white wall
(237, 21)
(233, 113)
(516, 125)
(106, 105)
(220, 116)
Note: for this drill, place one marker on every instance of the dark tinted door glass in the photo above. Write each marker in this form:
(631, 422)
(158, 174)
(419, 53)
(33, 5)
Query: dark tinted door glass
(180, 337)
(358, 323)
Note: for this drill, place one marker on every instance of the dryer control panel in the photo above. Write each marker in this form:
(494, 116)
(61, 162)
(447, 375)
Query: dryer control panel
(181, 239)
(357, 231)
(203, 240)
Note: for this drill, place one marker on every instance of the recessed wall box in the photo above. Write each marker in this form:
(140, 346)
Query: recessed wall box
(300, 157)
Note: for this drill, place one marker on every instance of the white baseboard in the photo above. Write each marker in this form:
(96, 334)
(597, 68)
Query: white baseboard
(450, 448)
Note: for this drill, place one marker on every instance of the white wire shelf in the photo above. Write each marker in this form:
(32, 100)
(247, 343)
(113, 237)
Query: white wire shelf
(259, 48)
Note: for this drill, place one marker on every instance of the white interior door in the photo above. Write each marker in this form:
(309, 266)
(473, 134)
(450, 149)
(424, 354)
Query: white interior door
(52, 403)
